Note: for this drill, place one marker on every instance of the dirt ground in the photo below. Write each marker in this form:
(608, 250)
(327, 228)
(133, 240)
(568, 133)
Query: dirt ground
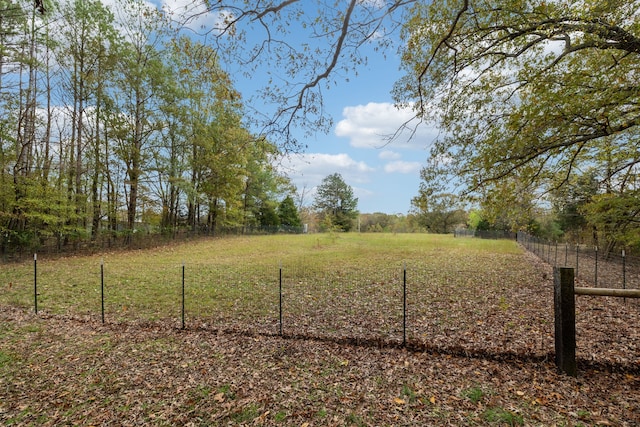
(57, 370)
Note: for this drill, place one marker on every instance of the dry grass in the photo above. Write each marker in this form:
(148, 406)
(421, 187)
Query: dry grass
(236, 273)
(480, 335)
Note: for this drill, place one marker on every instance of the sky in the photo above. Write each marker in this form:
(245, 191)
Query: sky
(384, 175)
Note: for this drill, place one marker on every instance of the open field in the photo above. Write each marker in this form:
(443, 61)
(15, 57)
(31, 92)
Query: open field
(479, 335)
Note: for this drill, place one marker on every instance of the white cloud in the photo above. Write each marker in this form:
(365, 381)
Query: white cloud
(371, 125)
(310, 169)
(379, 4)
(362, 193)
(389, 155)
(307, 171)
(193, 14)
(402, 167)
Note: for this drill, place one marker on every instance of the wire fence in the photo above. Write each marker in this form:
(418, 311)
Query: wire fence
(494, 311)
(394, 304)
(484, 234)
(15, 247)
(591, 265)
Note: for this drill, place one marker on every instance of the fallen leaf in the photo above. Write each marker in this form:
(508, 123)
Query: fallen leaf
(540, 401)
(261, 419)
(433, 400)
(399, 401)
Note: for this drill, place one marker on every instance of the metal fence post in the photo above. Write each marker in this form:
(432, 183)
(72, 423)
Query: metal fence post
(102, 289)
(595, 276)
(404, 305)
(183, 268)
(565, 320)
(624, 273)
(35, 282)
(280, 296)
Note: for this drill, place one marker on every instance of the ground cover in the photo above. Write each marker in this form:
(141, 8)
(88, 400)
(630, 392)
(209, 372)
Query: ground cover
(480, 344)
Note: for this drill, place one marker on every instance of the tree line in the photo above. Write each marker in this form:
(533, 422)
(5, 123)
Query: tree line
(536, 103)
(110, 119)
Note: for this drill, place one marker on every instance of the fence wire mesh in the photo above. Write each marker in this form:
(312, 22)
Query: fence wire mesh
(592, 266)
(452, 306)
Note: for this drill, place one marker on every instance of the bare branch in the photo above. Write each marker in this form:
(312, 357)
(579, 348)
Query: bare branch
(443, 42)
(275, 9)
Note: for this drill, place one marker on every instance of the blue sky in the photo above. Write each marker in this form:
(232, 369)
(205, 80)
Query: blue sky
(384, 176)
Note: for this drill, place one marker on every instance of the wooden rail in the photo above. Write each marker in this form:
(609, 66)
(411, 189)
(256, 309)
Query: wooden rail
(606, 292)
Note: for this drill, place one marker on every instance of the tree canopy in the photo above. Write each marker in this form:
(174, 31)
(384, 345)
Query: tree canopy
(111, 121)
(302, 48)
(528, 94)
(288, 213)
(532, 89)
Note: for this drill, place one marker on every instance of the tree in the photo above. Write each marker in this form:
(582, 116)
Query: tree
(125, 122)
(334, 199)
(616, 216)
(526, 89)
(205, 159)
(569, 202)
(506, 207)
(526, 93)
(268, 214)
(141, 79)
(439, 213)
(12, 19)
(86, 45)
(436, 207)
(263, 185)
(288, 213)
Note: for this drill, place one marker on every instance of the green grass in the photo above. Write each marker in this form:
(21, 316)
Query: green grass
(503, 417)
(5, 359)
(408, 393)
(474, 394)
(246, 414)
(237, 279)
(280, 416)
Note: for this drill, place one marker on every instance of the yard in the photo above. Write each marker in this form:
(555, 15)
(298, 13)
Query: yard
(476, 317)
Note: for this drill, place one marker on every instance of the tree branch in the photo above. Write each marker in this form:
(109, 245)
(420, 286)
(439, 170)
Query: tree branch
(443, 42)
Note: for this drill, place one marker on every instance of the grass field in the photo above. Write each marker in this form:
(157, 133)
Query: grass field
(346, 285)
(479, 326)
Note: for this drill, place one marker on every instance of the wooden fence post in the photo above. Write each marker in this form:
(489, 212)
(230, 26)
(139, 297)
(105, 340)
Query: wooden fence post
(565, 320)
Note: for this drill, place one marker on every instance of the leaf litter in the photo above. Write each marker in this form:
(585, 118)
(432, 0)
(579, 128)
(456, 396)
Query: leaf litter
(472, 358)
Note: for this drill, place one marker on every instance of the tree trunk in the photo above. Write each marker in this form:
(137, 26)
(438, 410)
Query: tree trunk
(97, 208)
(134, 169)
